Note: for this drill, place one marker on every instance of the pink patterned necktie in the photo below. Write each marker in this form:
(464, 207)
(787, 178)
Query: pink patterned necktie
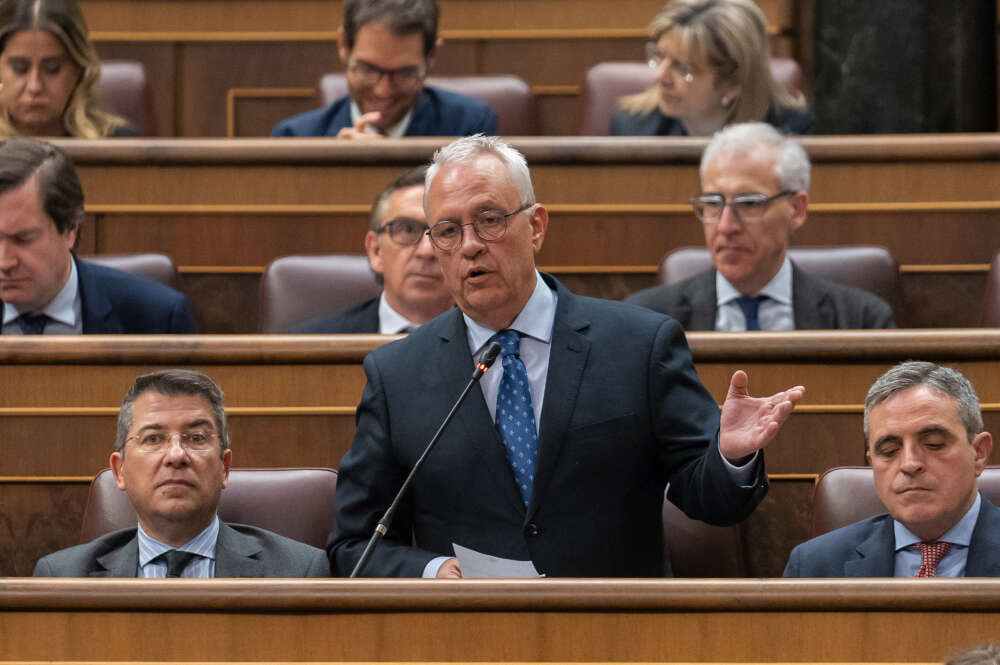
(930, 556)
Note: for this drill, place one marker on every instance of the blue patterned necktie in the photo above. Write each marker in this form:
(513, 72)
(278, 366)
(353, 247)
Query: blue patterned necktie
(750, 305)
(515, 414)
(32, 324)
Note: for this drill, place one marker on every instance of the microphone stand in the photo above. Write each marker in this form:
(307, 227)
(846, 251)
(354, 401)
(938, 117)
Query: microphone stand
(486, 360)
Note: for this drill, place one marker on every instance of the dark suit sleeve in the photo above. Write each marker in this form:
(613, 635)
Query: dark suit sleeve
(182, 318)
(318, 565)
(687, 425)
(43, 569)
(487, 122)
(369, 477)
(879, 315)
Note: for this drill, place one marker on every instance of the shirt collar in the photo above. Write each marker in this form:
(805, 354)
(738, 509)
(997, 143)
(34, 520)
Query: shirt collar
(396, 131)
(778, 289)
(960, 534)
(535, 320)
(59, 308)
(203, 544)
(390, 321)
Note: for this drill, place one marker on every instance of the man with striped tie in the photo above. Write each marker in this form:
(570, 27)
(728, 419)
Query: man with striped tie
(927, 447)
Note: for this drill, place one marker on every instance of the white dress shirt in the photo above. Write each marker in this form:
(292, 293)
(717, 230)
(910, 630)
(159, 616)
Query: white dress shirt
(391, 322)
(396, 131)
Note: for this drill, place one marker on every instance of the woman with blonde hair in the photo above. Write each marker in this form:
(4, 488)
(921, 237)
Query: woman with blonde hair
(48, 69)
(713, 68)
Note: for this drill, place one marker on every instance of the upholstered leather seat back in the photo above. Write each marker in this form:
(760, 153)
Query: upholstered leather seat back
(865, 267)
(296, 503)
(606, 82)
(155, 266)
(846, 494)
(509, 96)
(123, 90)
(298, 288)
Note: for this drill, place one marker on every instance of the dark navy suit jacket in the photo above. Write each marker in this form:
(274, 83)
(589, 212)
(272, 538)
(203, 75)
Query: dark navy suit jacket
(868, 549)
(114, 301)
(817, 304)
(436, 113)
(241, 551)
(360, 319)
(624, 414)
(654, 123)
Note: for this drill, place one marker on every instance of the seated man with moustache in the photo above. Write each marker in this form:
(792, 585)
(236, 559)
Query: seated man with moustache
(172, 457)
(44, 288)
(400, 254)
(926, 444)
(754, 196)
(387, 47)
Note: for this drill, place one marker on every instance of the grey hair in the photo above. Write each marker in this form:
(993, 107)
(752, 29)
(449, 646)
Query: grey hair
(946, 380)
(791, 163)
(988, 654)
(466, 149)
(173, 382)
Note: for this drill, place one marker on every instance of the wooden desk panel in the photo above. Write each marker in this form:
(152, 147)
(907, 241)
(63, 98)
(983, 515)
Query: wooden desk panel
(291, 401)
(765, 621)
(278, 45)
(223, 209)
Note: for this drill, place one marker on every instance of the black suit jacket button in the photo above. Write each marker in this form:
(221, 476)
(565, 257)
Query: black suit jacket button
(531, 529)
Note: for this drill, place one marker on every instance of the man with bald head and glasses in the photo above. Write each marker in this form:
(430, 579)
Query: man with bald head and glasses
(399, 251)
(172, 458)
(755, 185)
(562, 453)
(387, 47)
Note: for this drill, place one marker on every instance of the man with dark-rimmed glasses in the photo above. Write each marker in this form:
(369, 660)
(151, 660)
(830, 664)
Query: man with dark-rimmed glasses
(401, 256)
(388, 47)
(755, 184)
(172, 458)
(562, 452)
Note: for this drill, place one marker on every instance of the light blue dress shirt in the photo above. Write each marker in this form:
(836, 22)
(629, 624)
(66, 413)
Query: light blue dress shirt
(907, 561)
(203, 545)
(775, 312)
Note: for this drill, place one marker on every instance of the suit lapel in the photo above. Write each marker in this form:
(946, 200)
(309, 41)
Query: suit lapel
(472, 422)
(567, 360)
(236, 554)
(984, 560)
(121, 562)
(700, 301)
(98, 317)
(811, 306)
(876, 554)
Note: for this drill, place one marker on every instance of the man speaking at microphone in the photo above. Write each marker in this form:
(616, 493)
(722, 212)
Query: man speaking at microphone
(562, 455)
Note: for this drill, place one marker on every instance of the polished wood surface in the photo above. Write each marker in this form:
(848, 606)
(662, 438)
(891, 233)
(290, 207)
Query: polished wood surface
(223, 209)
(286, 45)
(711, 621)
(291, 401)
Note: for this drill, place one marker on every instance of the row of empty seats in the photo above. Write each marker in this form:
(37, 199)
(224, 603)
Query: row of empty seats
(295, 289)
(124, 90)
(301, 504)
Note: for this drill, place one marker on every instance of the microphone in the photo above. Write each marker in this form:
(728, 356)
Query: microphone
(486, 360)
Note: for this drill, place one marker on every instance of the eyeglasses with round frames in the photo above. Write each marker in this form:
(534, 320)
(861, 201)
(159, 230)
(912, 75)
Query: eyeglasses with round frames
(489, 226)
(748, 208)
(403, 78)
(156, 441)
(404, 231)
(680, 71)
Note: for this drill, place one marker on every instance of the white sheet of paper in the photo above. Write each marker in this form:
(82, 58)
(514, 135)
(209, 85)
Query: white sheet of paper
(477, 564)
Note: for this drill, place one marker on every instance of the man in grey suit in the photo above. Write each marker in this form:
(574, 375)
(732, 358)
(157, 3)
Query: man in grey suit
(927, 446)
(172, 457)
(754, 196)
